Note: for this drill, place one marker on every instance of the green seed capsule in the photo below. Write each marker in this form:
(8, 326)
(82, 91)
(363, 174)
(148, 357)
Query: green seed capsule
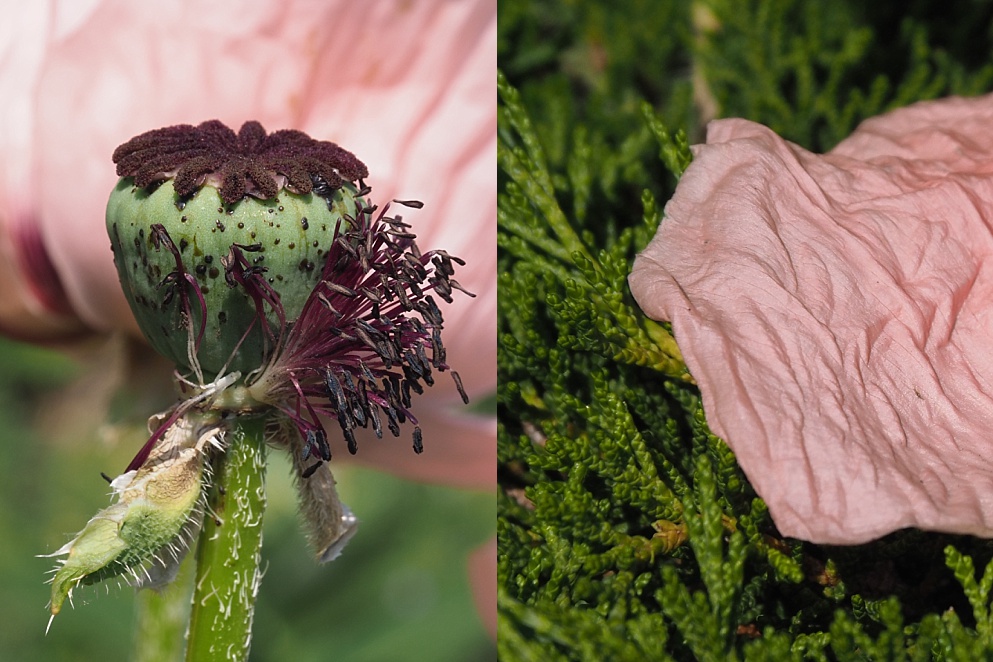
(219, 237)
(287, 237)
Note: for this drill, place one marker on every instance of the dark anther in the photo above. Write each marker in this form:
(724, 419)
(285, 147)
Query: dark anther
(371, 378)
(106, 477)
(365, 337)
(360, 405)
(458, 385)
(414, 386)
(401, 293)
(455, 285)
(317, 439)
(309, 471)
(413, 204)
(425, 364)
(414, 363)
(340, 289)
(436, 347)
(350, 438)
(334, 390)
(393, 422)
(418, 441)
(443, 288)
(377, 425)
(327, 302)
(371, 295)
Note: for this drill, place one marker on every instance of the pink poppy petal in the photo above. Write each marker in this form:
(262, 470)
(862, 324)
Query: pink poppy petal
(124, 70)
(33, 306)
(836, 312)
(407, 86)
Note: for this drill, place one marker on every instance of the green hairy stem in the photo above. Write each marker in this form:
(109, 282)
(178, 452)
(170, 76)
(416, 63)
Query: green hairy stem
(162, 615)
(229, 548)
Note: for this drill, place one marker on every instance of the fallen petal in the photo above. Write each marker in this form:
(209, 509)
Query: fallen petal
(836, 311)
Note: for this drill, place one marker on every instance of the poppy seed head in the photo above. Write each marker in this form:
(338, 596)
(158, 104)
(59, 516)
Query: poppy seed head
(250, 162)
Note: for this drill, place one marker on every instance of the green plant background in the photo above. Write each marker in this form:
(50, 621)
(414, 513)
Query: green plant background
(626, 530)
(399, 591)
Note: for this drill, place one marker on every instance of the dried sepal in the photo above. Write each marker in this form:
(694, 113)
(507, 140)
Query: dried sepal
(148, 527)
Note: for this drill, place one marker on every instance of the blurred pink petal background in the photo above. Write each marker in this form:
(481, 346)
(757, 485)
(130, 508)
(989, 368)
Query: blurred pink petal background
(407, 86)
(837, 313)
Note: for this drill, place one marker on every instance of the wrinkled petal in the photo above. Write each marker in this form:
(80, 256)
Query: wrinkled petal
(837, 313)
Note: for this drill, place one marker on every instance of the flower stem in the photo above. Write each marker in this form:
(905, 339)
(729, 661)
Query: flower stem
(229, 549)
(162, 616)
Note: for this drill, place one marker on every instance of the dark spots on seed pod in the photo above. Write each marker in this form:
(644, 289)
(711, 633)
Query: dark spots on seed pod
(220, 210)
(222, 317)
(182, 219)
(271, 281)
(204, 289)
(252, 234)
(278, 225)
(220, 226)
(280, 207)
(304, 223)
(213, 272)
(258, 259)
(306, 265)
(134, 266)
(230, 211)
(183, 244)
(276, 241)
(137, 244)
(241, 226)
(201, 269)
(209, 259)
(279, 277)
(271, 210)
(316, 244)
(291, 245)
(324, 227)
